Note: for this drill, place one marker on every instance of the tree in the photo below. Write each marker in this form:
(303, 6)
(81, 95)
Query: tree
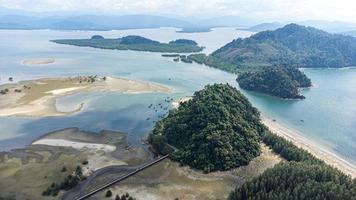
(108, 193)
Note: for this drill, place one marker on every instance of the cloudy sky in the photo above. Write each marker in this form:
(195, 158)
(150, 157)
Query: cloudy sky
(256, 9)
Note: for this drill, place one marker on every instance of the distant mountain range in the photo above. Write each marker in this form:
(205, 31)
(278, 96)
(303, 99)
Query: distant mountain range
(90, 22)
(100, 22)
(107, 22)
(345, 28)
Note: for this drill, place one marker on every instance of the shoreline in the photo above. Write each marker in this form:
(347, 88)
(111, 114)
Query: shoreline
(312, 147)
(37, 98)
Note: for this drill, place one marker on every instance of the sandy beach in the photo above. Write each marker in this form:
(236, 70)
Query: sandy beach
(38, 97)
(76, 145)
(39, 61)
(317, 150)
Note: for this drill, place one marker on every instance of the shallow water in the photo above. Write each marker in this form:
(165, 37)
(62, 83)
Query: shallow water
(328, 113)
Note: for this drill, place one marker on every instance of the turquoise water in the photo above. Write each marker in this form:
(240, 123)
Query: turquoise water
(329, 111)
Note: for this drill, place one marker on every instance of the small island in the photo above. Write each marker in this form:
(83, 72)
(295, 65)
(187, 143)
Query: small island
(217, 130)
(135, 43)
(283, 82)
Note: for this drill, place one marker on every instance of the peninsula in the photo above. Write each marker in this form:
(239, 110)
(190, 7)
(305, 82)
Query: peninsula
(268, 61)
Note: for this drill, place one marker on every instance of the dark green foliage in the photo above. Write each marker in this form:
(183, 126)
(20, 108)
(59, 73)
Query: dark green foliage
(301, 177)
(170, 55)
(69, 182)
(133, 39)
(108, 193)
(213, 62)
(136, 43)
(292, 45)
(299, 181)
(287, 149)
(124, 197)
(217, 130)
(4, 91)
(185, 59)
(183, 41)
(97, 37)
(278, 81)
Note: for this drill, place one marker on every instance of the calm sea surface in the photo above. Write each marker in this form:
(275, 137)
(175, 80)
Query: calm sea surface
(327, 116)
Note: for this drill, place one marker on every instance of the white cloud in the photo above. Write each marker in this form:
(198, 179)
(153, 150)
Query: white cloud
(258, 9)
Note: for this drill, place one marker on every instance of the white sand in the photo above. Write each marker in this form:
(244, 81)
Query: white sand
(316, 149)
(40, 100)
(39, 61)
(64, 90)
(75, 145)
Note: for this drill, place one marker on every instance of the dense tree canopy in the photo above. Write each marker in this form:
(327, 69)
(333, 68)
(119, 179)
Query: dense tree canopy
(133, 42)
(292, 45)
(134, 39)
(217, 130)
(298, 181)
(97, 37)
(282, 82)
(301, 177)
(183, 41)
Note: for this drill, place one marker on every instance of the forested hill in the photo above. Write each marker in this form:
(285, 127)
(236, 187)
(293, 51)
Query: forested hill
(292, 45)
(217, 130)
(136, 43)
(278, 81)
(220, 130)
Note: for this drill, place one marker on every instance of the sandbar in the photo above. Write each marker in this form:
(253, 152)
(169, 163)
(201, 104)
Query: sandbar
(37, 98)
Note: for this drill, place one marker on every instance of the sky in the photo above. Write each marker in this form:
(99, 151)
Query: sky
(275, 10)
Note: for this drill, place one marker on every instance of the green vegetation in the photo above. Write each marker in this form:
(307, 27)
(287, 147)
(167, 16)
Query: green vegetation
(267, 61)
(97, 37)
(126, 196)
(298, 180)
(185, 59)
(108, 194)
(170, 55)
(69, 182)
(282, 82)
(217, 130)
(287, 149)
(136, 43)
(302, 176)
(213, 62)
(292, 45)
(4, 91)
(183, 41)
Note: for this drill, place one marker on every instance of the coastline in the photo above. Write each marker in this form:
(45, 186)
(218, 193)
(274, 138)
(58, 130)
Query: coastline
(312, 147)
(37, 98)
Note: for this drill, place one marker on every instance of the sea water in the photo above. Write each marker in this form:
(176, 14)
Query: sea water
(327, 115)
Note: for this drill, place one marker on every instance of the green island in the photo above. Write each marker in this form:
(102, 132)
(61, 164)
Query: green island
(136, 43)
(219, 130)
(292, 45)
(279, 81)
(265, 61)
